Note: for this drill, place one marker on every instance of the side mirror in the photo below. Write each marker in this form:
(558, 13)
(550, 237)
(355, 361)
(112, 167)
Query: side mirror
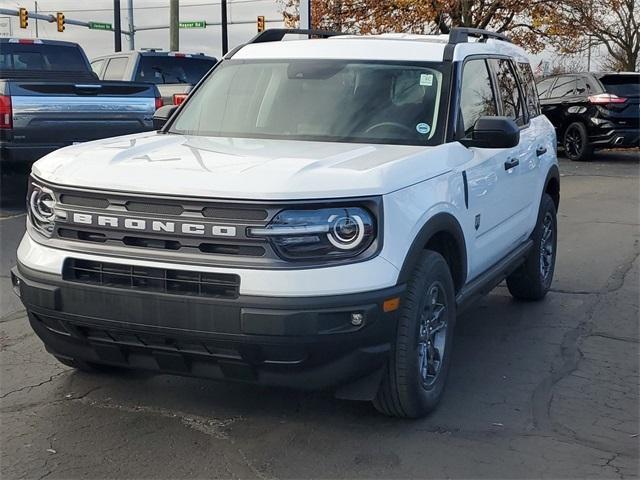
(162, 115)
(493, 132)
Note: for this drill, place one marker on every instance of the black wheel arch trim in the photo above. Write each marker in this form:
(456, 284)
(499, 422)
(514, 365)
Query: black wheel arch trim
(553, 174)
(441, 222)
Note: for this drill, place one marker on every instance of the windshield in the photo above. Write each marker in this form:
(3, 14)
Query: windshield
(323, 100)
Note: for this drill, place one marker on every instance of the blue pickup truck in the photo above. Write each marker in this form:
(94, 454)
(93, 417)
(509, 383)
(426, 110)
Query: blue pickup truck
(50, 98)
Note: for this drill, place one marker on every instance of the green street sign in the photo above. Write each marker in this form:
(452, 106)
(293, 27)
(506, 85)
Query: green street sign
(195, 24)
(100, 26)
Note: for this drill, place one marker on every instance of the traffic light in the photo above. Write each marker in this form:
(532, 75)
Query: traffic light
(261, 23)
(24, 18)
(60, 20)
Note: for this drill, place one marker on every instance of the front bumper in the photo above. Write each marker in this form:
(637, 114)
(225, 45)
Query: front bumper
(301, 342)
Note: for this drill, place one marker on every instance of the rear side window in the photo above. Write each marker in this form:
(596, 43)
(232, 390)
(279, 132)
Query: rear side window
(54, 58)
(115, 68)
(564, 87)
(622, 85)
(165, 69)
(585, 87)
(476, 98)
(512, 102)
(97, 66)
(544, 86)
(530, 90)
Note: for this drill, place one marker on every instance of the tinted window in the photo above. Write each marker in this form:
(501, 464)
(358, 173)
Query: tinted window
(321, 100)
(115, 68)
(622, 85)
(476, 98)
(512, 104)
(16, 56)
(97, 66)
(544, 86)
(564, 87)
(529, 86)
(166, 69)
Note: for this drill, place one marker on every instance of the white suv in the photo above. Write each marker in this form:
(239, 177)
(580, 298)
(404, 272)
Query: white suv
(313, 216)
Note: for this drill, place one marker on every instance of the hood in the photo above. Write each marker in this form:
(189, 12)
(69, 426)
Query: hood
(241, 168)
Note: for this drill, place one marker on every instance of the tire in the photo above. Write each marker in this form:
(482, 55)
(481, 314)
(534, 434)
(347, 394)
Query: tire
(407, 388)
(87, 367)
(532, 280)
(576, 143)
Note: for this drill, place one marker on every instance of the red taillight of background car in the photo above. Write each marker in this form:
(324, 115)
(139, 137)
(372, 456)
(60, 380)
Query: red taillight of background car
(6, 114)
(159, 102)
(604, 98)
(178, 98)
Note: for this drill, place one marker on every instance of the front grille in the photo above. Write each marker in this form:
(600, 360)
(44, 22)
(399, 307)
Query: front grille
(159, 280)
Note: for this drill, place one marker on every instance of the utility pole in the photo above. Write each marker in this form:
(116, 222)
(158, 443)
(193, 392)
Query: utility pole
(225, 33)
(132, 41)
(305, 15)
(117, 27)
(174, 26)
(36, 17)
(589, 55)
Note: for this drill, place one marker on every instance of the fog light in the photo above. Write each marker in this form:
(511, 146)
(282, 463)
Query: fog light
(357, 319)
(15, 283)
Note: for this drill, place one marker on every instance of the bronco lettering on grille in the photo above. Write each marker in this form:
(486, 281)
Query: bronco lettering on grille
(149, 225)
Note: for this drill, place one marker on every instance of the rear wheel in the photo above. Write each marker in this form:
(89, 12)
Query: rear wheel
(415, 376)
(576, 143)
(532, 280)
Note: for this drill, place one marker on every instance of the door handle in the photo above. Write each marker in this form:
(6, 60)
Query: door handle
(512, 162)
(541, 151)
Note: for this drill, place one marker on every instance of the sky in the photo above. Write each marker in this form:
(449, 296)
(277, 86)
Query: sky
(147, 13)
(156, 12)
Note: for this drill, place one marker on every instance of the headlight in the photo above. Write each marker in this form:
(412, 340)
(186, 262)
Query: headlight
(41, 203)
(328, 233)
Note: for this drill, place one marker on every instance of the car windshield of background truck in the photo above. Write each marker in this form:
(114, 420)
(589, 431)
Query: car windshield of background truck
(321, 100)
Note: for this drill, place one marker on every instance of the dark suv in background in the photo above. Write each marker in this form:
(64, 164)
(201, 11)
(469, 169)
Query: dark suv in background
(592, 110)
(173, 73)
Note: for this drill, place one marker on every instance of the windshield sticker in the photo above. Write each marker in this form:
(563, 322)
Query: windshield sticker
(426, 80)
(423, 128)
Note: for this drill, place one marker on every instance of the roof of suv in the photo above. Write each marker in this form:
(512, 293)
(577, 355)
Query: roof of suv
(404, 47)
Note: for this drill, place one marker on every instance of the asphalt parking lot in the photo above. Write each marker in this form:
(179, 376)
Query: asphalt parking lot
(545, 389)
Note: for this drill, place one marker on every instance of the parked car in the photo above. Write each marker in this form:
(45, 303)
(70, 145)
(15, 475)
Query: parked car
(173, 73)
(314, 215)
(592, 111)
(50, 98)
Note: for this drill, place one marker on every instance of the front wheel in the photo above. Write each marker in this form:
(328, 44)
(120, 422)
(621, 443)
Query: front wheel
(532, 280)
(415, 376)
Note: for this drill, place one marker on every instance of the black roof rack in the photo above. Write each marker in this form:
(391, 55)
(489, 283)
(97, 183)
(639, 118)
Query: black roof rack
(277, 34)
(462, 34)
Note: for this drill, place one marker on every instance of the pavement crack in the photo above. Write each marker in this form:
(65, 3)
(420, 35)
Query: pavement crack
(570, 353)
(30, 387)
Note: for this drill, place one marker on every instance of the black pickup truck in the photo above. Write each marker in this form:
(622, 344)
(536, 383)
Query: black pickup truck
(50, 98)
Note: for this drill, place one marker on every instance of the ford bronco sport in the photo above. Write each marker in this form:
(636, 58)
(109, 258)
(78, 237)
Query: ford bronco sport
(313, 216)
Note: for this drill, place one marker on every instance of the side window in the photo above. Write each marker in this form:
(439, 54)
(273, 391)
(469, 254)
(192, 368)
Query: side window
(476, 98)
(96, 66)
(584, 87)
(512, 102)
(544, 86)
(115, 68)
(529, 86)
(564, 87)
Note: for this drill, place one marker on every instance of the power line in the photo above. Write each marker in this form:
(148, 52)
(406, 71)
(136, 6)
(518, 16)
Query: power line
(158, 7)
